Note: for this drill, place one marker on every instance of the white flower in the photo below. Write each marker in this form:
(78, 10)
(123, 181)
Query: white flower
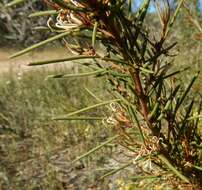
(135, 160)
(67, 19)
(147, 165)
(69, 23)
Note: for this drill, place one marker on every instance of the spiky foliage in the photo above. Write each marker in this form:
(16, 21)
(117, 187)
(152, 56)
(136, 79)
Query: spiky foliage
(137, 65)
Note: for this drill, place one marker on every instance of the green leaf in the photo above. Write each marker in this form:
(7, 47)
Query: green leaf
(174, 16)
(26, 50)
(184, 122)
(116, 170)
(94, 34)
(14, 2)
(154, 110)
(62, 76)
(86, 109)
(144, 177)
(181, 99)
(41, 28)
(82, 118)
(95, 149)
(194, 117)
(44, 13)
(70, 6)
(72, 58)
(135, 118)
(144, 70)
(197, 167)
(92, 94)
(130, 6)
(176, 72)
(173, 169)
(143, 10)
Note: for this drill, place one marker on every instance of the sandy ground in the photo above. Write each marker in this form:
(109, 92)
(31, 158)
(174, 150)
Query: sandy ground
(21, 62)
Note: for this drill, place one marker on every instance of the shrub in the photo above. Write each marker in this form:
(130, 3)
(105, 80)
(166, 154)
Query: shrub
(137, 64)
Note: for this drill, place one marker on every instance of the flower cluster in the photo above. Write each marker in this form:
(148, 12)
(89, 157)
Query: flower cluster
(118, 117)
(67, 20)
(147, 151)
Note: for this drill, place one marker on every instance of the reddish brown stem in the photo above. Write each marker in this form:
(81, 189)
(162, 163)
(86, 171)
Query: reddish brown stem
(140, 92)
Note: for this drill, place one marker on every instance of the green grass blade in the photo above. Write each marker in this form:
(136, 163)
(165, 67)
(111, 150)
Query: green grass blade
(26, 50)
(173, 169)
(43, 13)
(87, 108)
(95, 149)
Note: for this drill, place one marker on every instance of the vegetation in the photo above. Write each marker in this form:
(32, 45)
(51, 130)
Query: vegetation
(18, 31)
(36, 152)
(155, 117)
